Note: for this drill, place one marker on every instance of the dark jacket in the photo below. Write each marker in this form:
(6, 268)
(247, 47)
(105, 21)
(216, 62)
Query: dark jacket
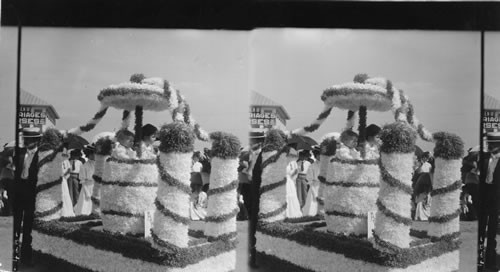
(489, 192)
(33, 170)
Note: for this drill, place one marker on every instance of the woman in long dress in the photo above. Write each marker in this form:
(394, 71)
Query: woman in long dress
(198, 203)
(311, 206)
(67, 208)
(423, 197)
(292, 201)
(84, 204)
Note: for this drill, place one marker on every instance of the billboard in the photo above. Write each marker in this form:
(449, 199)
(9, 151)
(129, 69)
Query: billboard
(30, 116)
(262, 117)
(491, 120)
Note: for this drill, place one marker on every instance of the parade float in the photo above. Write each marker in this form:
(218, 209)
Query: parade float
(129, 191)
(367, 200)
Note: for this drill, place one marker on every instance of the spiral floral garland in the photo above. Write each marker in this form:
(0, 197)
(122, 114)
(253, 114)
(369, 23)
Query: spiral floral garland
(90, 124)
(275, 158)
(48, 198)
(392, 222)
(316, 123)
(222, 206)
(127, 191)
(171, 218)
(446, 186)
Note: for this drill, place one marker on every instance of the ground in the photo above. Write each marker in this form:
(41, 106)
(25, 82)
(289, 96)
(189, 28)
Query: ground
(467, 249)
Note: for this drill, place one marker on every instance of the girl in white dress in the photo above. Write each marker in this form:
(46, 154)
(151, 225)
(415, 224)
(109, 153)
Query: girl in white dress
(292, 201)
(67, 208)
(84, 204)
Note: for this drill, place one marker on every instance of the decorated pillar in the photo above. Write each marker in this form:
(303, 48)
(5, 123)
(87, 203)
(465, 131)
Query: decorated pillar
(49, 198)
(393, 221)
(446, 186)
(103, 148)
(222, 194)
(171, 217)
(275, 158)
(328, 148)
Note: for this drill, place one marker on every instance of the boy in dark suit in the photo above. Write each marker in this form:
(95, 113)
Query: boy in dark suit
(489, 190)
(26, 177)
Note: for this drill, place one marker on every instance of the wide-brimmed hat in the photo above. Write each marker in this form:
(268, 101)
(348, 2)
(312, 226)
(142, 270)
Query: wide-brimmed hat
(90, 147)
(493, 137)
(31, 132)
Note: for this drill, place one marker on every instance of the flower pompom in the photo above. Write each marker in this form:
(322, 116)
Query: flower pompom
(176, 137)
(137, 78)
(51, 139)
(448, 146)
(398, 137)
(225, 145)
(328, 146)
(360, 78)
(275, 140)
(104, 146)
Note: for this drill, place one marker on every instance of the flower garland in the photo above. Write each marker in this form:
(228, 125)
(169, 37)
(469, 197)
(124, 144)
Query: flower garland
(350, 96)
(127, 191)
(222, 206)
(90, 124)
(95, 250)
(444, 217)
(306, 246)
(275, 159)
(48, 203)
(392, 222)
(316, 123)
(125, 119)
(171, 218)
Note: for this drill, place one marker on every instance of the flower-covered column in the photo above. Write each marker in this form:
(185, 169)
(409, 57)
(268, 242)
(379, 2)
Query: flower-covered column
(103, 148)
(275, 159)
(49, 198)
(222, 206)
(446, 186)
(171, 218)
(392, 222)
(327, 150)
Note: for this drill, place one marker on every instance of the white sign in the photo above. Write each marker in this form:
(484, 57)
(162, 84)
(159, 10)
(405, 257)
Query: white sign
(148, 222)
(370, 223)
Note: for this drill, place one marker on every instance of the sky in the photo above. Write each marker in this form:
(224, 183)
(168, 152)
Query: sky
(439, 71)
(216, 70)
(67, 67)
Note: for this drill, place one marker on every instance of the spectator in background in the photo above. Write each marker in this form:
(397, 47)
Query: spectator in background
(244, 189)
(67, 208)
(25, 193)
(311, 205)
(301, 182)
(74, 175)
(7, 183)
(489, 182)
(84, 204)
(206, 167)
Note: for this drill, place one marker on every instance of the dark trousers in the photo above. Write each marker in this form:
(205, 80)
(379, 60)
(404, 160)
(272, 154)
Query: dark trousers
(24, 212)
(246, 192)
(73, 187)
(488, 221)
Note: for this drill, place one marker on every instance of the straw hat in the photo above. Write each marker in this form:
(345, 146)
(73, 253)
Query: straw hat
(31, 132)
(493, 137)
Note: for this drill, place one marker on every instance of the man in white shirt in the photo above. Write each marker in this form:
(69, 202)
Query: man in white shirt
(26, 178)
(489, 194)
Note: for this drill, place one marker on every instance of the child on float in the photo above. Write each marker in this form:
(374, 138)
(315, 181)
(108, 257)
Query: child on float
(123, 147)
(347, 147)
(149, 133)
(372, 142)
